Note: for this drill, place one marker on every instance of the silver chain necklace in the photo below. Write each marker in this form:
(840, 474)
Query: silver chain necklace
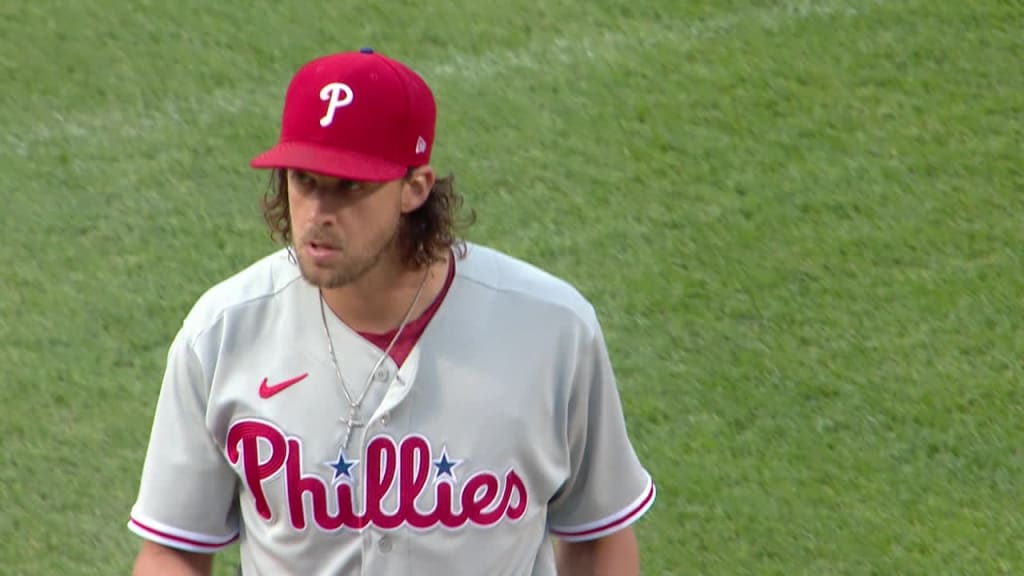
(352, 420)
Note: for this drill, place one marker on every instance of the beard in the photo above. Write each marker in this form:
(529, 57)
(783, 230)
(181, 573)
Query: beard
(348, 265)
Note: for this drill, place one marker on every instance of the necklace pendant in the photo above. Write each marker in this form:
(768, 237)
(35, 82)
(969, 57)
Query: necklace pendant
(351, 423)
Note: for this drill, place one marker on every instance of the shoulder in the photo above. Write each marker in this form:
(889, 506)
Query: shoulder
(518, 284)
(249, 290)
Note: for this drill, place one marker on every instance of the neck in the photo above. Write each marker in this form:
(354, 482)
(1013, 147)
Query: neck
(378, 302)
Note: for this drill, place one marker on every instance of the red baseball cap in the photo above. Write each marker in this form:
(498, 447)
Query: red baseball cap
(354, 115)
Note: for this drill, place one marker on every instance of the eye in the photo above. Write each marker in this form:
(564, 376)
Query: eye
(302, 179)
(349, 185)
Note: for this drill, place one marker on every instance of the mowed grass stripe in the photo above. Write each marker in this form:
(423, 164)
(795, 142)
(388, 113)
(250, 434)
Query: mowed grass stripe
(146, 118)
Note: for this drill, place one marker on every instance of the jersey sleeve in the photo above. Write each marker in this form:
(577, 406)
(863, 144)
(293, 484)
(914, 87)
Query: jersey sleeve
(187, 493)
(608, 488)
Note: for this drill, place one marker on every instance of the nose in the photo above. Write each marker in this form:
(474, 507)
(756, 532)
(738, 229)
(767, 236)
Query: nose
(323, 202)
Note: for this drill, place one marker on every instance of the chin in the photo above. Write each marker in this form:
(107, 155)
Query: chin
(322, 277)
(315, 275)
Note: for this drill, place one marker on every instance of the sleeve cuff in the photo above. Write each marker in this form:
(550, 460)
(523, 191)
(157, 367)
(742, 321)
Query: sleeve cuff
(609, 524)
(177, 538)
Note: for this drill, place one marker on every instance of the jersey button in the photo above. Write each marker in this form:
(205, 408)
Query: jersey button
(385, 544)
(385, 418)
(382, 375)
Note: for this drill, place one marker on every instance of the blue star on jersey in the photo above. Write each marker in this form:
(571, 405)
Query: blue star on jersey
(445, 466)
(343, 467)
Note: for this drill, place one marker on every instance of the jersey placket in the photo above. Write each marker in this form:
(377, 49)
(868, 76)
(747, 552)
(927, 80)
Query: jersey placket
(380, 548)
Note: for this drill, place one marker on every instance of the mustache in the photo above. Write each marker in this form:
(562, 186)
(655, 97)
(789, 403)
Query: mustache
(321, 237)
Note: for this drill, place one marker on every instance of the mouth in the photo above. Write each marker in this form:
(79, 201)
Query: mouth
(321, 249)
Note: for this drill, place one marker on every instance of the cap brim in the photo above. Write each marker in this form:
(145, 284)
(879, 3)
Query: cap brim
(329, 162)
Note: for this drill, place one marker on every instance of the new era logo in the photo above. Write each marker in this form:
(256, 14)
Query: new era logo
(421, 145)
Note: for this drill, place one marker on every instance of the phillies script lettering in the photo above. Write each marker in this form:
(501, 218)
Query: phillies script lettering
(264, 450)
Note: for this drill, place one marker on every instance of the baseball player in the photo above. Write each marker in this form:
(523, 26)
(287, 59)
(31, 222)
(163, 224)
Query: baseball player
(378, 396)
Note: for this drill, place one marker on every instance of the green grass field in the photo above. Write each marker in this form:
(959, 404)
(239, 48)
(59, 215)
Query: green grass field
(802, 223)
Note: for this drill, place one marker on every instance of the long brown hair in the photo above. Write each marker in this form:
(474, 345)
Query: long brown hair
(425, 236)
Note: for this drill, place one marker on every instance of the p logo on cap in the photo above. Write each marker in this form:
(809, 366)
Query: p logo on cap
(337, 95)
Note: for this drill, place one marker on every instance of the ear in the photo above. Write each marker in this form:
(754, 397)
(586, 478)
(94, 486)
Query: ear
(417, 188)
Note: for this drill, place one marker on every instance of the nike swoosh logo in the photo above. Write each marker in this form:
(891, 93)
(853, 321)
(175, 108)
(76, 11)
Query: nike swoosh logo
(267, 391)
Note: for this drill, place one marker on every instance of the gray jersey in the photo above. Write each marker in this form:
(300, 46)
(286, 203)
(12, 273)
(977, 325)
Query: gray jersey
(501, 428)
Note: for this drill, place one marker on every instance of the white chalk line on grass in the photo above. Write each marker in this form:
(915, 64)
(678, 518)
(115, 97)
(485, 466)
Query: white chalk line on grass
(109, 127)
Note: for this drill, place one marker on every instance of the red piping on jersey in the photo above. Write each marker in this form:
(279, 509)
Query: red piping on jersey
(188, 541)
(628, 518)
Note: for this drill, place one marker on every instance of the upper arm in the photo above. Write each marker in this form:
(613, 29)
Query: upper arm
(616, 554)
(158, 560)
